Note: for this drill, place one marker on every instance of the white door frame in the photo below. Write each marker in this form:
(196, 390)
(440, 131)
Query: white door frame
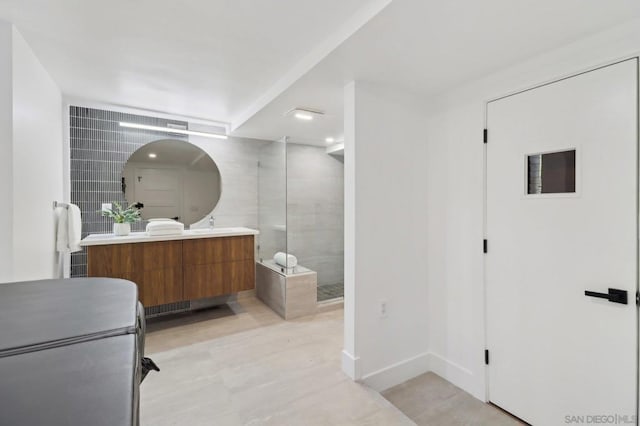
(484, 200)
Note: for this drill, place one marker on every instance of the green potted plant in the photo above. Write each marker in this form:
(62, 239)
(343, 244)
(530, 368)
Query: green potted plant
(122, 218)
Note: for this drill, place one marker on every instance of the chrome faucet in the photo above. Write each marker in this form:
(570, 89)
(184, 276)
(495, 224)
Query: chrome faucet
(211, 221)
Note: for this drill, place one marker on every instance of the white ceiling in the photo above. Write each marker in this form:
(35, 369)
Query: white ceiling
(208, 59)
(247, 62)
(429, 46)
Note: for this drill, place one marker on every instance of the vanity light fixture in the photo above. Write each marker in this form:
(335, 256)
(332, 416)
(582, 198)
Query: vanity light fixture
(170, 130)
(305, 114)
(329, 140)
(152, 155)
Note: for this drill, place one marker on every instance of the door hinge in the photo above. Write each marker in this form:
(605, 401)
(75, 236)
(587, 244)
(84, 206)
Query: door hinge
(485, 135)
(485, 246)
(637, 298)
(486, 357)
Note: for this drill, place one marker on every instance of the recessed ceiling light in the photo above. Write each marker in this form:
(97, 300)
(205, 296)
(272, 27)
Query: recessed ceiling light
(305, 114)
(170, 130)
(329, 140)
(152, 155)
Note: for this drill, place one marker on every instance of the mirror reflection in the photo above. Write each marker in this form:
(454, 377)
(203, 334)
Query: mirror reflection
(172, 179)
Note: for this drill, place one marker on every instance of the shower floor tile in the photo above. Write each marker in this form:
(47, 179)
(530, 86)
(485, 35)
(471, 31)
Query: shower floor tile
(330, 291)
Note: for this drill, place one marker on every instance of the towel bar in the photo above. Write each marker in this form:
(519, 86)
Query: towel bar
(57, 204)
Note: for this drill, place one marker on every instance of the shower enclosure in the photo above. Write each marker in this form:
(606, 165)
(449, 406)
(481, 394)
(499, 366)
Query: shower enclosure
(301, 212)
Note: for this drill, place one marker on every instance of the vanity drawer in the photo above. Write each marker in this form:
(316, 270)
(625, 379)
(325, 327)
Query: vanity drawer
(241, 275)
(217, 279)
(160, 255)
(112, 260)
(206, 251)
(201, 281)
(155, 267)
(161, 286)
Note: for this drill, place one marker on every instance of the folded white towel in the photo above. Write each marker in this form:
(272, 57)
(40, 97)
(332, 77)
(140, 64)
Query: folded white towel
(165, 224)
(165, 227)
(69, 232)
(285, 259)
(154, 233)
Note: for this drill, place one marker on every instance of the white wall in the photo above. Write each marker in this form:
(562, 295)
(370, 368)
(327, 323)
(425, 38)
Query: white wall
(37, 164)
(385, 229)
(6, 153)
(414, 218)
(31, 162)
(455, 166)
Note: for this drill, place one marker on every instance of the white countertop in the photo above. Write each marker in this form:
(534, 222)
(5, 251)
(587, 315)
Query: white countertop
(142, 237)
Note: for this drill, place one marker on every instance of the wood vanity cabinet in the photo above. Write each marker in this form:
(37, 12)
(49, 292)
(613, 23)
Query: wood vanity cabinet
(155, 267)
(173, 271)
(217, 266)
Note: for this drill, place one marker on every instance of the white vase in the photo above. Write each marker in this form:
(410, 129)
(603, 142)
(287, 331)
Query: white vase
(121, 229)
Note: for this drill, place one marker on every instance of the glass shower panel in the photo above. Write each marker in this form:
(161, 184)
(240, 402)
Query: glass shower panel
(315, 215)
(272, 202)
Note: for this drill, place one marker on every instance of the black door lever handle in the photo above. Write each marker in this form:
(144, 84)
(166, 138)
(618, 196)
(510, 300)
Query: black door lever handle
(614, 295)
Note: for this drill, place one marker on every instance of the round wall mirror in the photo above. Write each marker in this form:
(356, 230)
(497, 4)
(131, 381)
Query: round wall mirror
(172, 179)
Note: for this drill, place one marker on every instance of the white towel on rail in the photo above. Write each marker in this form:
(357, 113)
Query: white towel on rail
(69, 232)
(62, 233)
(75, 227)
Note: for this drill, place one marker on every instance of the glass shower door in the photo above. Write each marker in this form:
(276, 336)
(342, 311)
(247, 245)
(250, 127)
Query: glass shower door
(272, 202)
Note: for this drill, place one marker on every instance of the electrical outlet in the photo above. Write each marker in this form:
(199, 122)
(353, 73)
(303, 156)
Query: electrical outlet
(106, 206)
(383, 309)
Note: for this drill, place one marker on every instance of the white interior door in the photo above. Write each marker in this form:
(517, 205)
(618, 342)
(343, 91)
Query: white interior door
(553, 351)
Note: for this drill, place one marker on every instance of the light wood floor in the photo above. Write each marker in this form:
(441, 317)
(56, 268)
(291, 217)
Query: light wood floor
(430, 400)
(243, 365)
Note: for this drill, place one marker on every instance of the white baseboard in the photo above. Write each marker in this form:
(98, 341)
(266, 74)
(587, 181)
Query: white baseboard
(402, 371)
(351, 365)
(452, 372)
(397, 373)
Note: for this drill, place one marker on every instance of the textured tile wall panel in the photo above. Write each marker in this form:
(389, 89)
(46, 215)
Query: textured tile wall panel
(99, 150)
(315, 211)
